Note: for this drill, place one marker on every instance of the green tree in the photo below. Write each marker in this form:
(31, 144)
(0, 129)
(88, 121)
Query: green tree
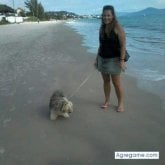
(32, 5)
(40, 11)
(36, 9)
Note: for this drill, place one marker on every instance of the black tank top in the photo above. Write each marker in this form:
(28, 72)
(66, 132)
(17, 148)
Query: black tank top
(109, 45)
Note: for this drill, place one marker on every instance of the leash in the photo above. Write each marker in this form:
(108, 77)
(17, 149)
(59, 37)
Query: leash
(83, 83)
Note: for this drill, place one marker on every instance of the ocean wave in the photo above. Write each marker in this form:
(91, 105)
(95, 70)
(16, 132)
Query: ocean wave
(148, 74)
(147, 40)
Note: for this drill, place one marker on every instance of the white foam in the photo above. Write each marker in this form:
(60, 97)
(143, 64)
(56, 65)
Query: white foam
(2, 150)
(147, 74)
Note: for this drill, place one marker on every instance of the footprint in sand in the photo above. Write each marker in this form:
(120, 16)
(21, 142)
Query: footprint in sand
(6, 121)
(2, 150)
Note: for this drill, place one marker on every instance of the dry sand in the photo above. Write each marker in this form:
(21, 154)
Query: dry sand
(37, 59)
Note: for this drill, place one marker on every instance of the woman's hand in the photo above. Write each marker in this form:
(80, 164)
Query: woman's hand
(95, 64)
(122, 65)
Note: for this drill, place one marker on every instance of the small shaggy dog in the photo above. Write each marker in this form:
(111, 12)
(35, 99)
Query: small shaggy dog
(59, 106)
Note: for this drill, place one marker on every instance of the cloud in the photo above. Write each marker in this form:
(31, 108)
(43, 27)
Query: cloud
(5, 2)
(161, 3)
(17, 3)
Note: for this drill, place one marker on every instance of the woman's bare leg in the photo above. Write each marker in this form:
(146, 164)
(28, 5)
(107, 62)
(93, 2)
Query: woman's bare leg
(116, 79)
(107, 89)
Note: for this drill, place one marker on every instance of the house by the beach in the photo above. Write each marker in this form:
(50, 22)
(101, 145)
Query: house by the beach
(15, 18)
(2, 16)
(9, 16)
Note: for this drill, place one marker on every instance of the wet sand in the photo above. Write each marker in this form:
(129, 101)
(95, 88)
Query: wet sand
(35, 60)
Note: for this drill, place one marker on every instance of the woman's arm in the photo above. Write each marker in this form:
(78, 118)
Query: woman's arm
(98, 51)
(96, 60)
(122, 41)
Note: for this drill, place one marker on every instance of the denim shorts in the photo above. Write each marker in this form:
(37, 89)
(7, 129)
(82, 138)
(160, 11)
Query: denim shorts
(108, 65)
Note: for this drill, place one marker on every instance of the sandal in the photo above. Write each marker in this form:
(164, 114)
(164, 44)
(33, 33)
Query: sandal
(104, 106)
(120, 109)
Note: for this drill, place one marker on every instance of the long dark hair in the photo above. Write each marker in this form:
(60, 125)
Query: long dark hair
(113, 23)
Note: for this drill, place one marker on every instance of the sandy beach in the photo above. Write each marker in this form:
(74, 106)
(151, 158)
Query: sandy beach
(35, 60)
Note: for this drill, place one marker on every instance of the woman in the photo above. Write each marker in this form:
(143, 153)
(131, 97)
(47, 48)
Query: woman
(111, 55)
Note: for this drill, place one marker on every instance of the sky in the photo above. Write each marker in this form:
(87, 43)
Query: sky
(90, 6)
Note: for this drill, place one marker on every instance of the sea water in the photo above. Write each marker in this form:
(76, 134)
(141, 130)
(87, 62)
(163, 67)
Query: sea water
(145, 40)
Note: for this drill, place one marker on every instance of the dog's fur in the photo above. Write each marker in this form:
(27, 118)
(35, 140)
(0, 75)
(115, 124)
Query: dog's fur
(59, 106)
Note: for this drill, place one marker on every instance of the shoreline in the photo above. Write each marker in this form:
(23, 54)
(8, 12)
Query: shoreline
(148, 79)
(141, 84)
(52, 58)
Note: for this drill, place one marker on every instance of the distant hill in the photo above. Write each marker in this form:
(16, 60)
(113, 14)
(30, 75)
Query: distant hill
(60, 14)
(148, 11)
